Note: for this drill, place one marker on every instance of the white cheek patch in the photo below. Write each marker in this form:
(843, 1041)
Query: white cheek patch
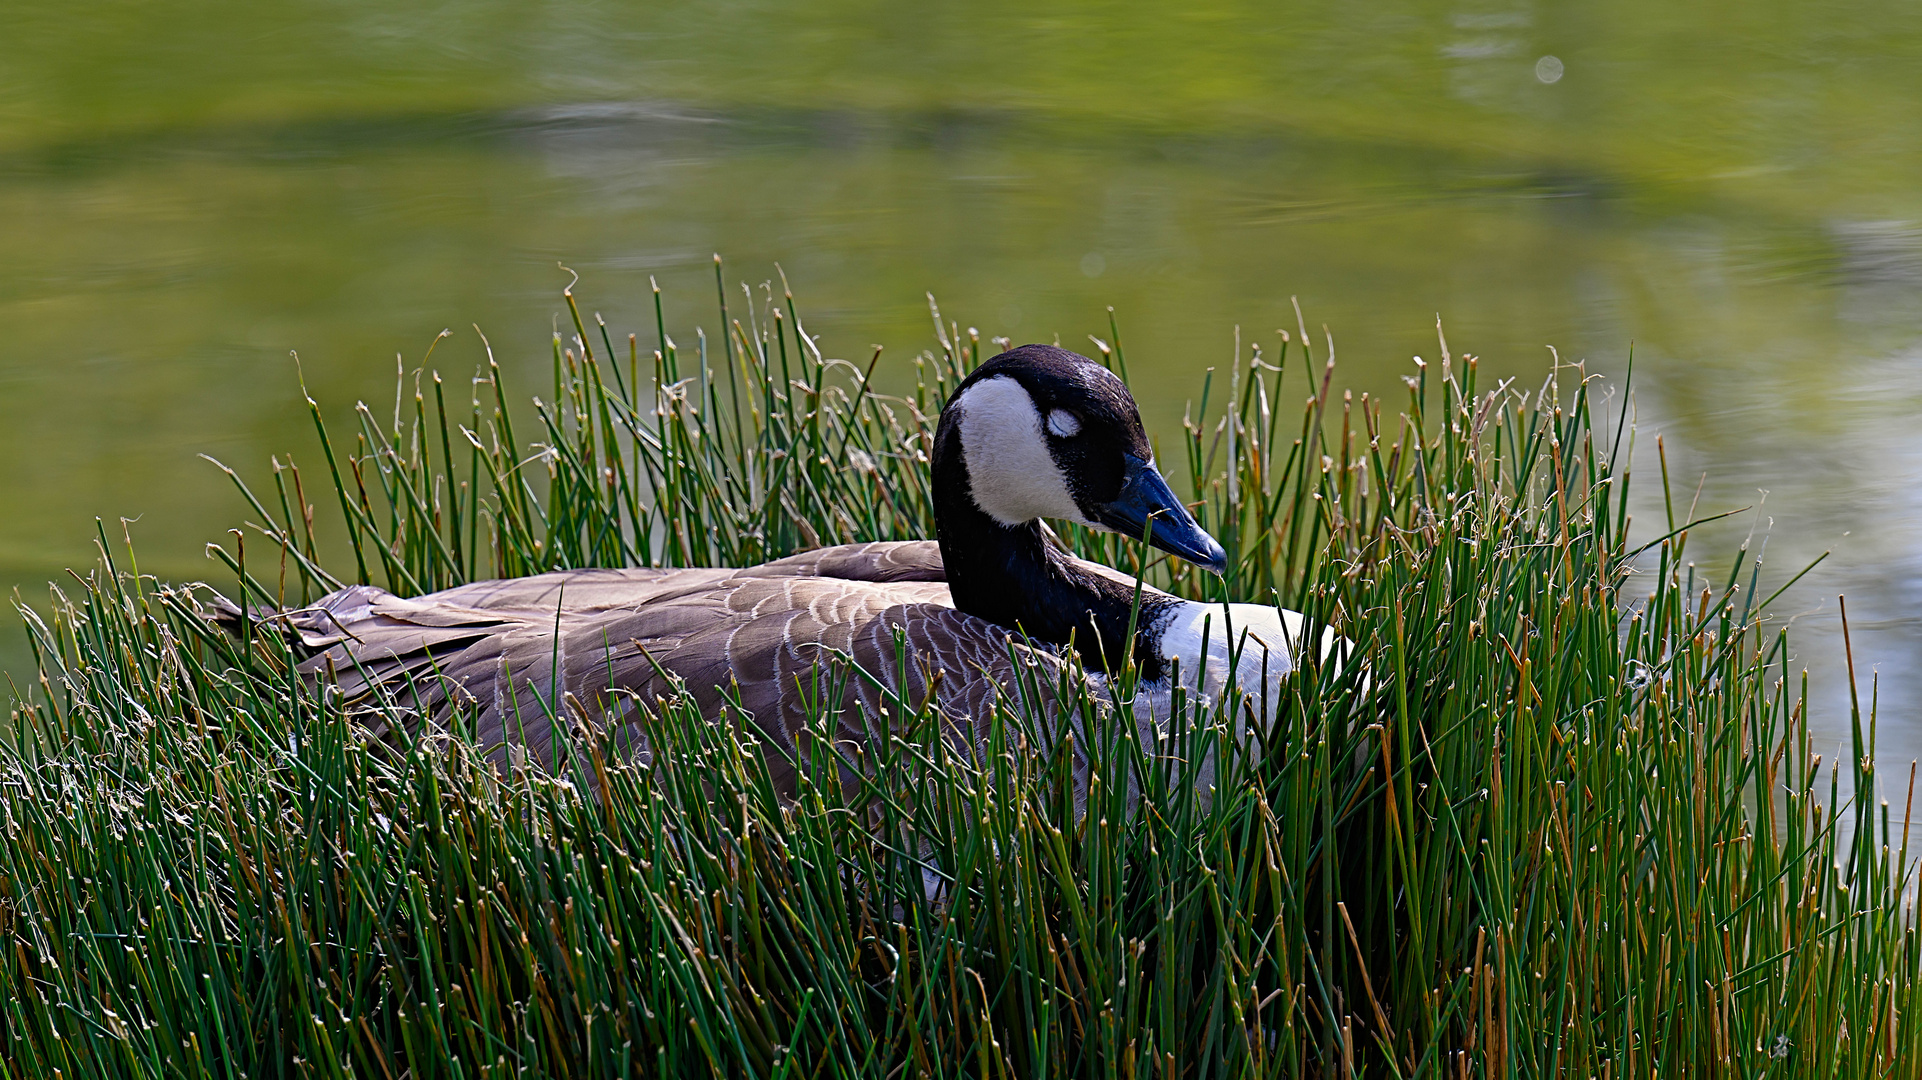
(1064, 424)
(1013, 477)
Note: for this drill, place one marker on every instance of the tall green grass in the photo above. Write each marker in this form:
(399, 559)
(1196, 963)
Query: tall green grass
(1563, 819)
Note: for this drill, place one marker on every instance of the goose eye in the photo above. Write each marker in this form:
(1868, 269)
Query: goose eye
(1064, 424)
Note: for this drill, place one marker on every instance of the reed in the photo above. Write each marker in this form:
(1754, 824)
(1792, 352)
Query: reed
(1564, 819)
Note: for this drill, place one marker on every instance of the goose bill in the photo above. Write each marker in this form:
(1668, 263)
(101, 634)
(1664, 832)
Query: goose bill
(1145, 495)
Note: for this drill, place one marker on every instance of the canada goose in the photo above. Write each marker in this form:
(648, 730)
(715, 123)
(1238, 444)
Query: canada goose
(1036, 432)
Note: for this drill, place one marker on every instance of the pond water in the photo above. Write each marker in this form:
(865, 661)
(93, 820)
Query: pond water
(191, 191)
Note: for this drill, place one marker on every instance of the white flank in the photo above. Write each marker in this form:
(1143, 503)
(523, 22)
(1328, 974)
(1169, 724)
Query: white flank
(1261, 638)
(1249, 649)
(1012, 475)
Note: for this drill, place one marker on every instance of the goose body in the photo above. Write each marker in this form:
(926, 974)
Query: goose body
(994, 607)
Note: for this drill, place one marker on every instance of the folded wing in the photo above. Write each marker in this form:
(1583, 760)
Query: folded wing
(852, 632)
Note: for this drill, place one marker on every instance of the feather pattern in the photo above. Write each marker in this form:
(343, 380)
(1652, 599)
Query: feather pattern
(774, 639)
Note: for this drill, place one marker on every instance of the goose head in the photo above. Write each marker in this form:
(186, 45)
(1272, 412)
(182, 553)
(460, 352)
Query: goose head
(1040, 432)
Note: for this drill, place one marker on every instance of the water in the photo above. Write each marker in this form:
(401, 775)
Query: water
(192, 191)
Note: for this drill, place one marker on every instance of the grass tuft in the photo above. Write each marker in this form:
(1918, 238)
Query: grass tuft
(1569, 823)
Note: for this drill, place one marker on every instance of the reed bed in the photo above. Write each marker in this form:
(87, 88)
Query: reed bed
(1563, 819)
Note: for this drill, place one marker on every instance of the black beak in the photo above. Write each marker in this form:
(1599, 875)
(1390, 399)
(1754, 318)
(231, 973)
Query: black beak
(1144, 497)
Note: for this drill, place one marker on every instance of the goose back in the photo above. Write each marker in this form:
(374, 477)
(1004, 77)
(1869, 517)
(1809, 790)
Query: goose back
(505, 654)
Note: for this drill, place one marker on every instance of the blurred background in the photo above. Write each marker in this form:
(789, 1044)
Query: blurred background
(190, 191)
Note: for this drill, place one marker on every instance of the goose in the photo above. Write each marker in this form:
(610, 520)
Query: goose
(993, 604)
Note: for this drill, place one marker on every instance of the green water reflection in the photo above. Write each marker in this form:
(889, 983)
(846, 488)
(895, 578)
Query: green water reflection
(190, 191)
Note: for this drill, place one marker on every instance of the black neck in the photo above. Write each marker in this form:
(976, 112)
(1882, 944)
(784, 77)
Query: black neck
(1011, 575)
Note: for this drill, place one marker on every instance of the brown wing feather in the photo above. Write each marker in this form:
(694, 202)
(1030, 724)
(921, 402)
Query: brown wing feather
(778, 638)
(886, 560)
